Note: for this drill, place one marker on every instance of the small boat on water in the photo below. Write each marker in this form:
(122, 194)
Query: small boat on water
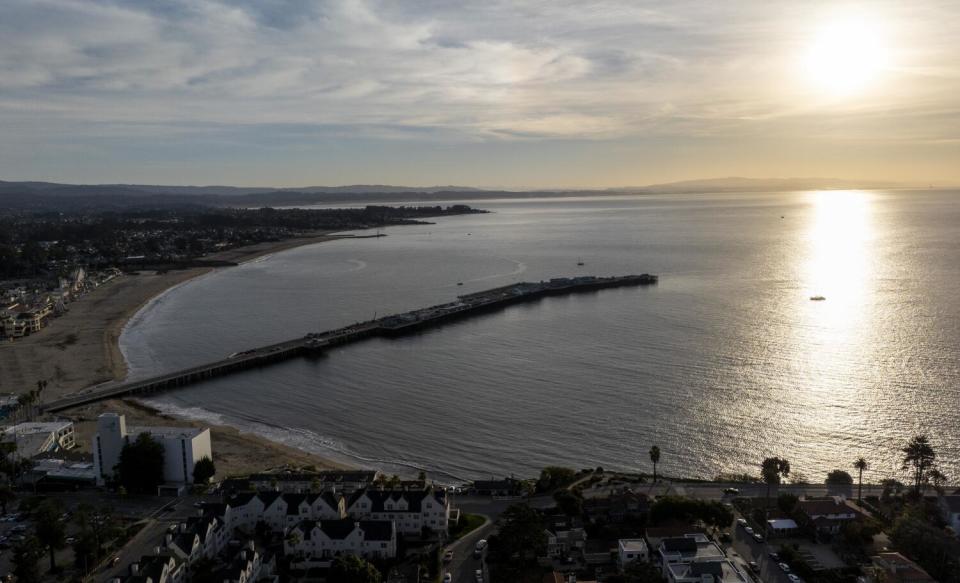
(580, 262)
(459, 283)
(817, 298)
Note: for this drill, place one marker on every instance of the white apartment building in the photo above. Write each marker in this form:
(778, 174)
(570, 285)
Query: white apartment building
(183, 447)
(411, 510)
(686, 550)
(705, 572)
(37, 437)
(326, 539)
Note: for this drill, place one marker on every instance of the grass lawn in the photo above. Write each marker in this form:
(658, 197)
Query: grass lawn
(468, 523)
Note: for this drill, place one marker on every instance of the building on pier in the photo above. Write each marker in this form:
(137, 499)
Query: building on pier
(183, 447)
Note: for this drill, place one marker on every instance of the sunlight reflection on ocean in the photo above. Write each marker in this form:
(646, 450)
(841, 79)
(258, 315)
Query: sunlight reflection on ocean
(725, 361)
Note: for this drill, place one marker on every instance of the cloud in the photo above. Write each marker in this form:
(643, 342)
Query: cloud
(480, 70)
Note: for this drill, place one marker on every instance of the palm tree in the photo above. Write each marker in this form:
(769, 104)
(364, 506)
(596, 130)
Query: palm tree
(773, 470)
(937, 479)
(861, 464)
(919, 457)
(655, 458)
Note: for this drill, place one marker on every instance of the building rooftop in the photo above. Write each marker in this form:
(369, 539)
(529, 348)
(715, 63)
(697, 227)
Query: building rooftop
(902, 568)
(171, 432)
(692, 547)
(37, 427)
(826, 506)
(717, 571)
(632, 545)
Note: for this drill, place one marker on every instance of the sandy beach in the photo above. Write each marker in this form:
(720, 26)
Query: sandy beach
(81, 349)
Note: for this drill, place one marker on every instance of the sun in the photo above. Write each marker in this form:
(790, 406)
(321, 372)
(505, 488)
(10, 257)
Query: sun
(846, 55)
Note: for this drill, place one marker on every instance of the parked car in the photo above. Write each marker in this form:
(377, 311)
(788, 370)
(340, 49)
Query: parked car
(758, 537)
(748, 530)
(742, 522)
(447, 556)
(754, 567)
(785, 567)
(448, 578)
(732, 491)
(479, 576)
(794, 578)
(774, 557)
(724, 537)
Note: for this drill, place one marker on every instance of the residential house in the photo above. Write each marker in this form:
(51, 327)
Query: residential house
(690, 548)
(828, 515)
(159, 568)
(296, 482)
(280, 511)
(722, 571)
(632, 550)
(326, 539)
(896, 568)
(561, 542)
(412, 510)
(618, 507)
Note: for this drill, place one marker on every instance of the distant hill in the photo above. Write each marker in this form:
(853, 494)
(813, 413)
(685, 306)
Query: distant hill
(740, 184)
(58, 197)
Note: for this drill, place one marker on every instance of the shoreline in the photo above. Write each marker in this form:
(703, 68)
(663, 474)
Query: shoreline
(81, 349)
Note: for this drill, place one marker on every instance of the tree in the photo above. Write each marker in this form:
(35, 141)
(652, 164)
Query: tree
(861, 465)
(918, 457)
(839, 478)
(937, 479)
(204, 470)
(787, 502)
(569, 503)
(668, 509)
(7, 495)
(773, 470)
(25, 558)
(655, 458)
(51, 531)
(141, 465)
(553, 477)
(353, 569)
(521, 539)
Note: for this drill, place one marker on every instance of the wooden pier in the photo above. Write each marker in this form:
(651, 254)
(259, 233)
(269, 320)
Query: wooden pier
(317, 343)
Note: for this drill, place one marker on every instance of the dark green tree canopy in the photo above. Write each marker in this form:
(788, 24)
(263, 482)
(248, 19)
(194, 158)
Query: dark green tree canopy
(353, 569)
(553, 477)
(25, 557)
(141, 465)
(670, 508)
(204, 470)
(839, 478)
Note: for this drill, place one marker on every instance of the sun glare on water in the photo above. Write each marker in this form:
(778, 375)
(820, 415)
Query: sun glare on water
(846, 55)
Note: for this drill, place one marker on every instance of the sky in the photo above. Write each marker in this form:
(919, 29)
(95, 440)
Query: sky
(506, 94)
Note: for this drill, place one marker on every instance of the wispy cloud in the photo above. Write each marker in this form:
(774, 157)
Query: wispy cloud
(433, 69)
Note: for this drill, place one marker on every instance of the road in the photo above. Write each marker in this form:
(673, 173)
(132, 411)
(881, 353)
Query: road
(714, 490)
(149, 537)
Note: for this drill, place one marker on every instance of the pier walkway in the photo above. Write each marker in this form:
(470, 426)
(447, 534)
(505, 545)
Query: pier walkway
(316, 343)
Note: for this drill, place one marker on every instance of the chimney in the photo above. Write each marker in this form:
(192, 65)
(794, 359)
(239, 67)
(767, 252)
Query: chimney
(169, 539)
(134, 568)
(251, 545)
(156, 550)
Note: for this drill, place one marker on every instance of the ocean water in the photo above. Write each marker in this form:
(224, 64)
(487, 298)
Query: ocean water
(727, 360)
